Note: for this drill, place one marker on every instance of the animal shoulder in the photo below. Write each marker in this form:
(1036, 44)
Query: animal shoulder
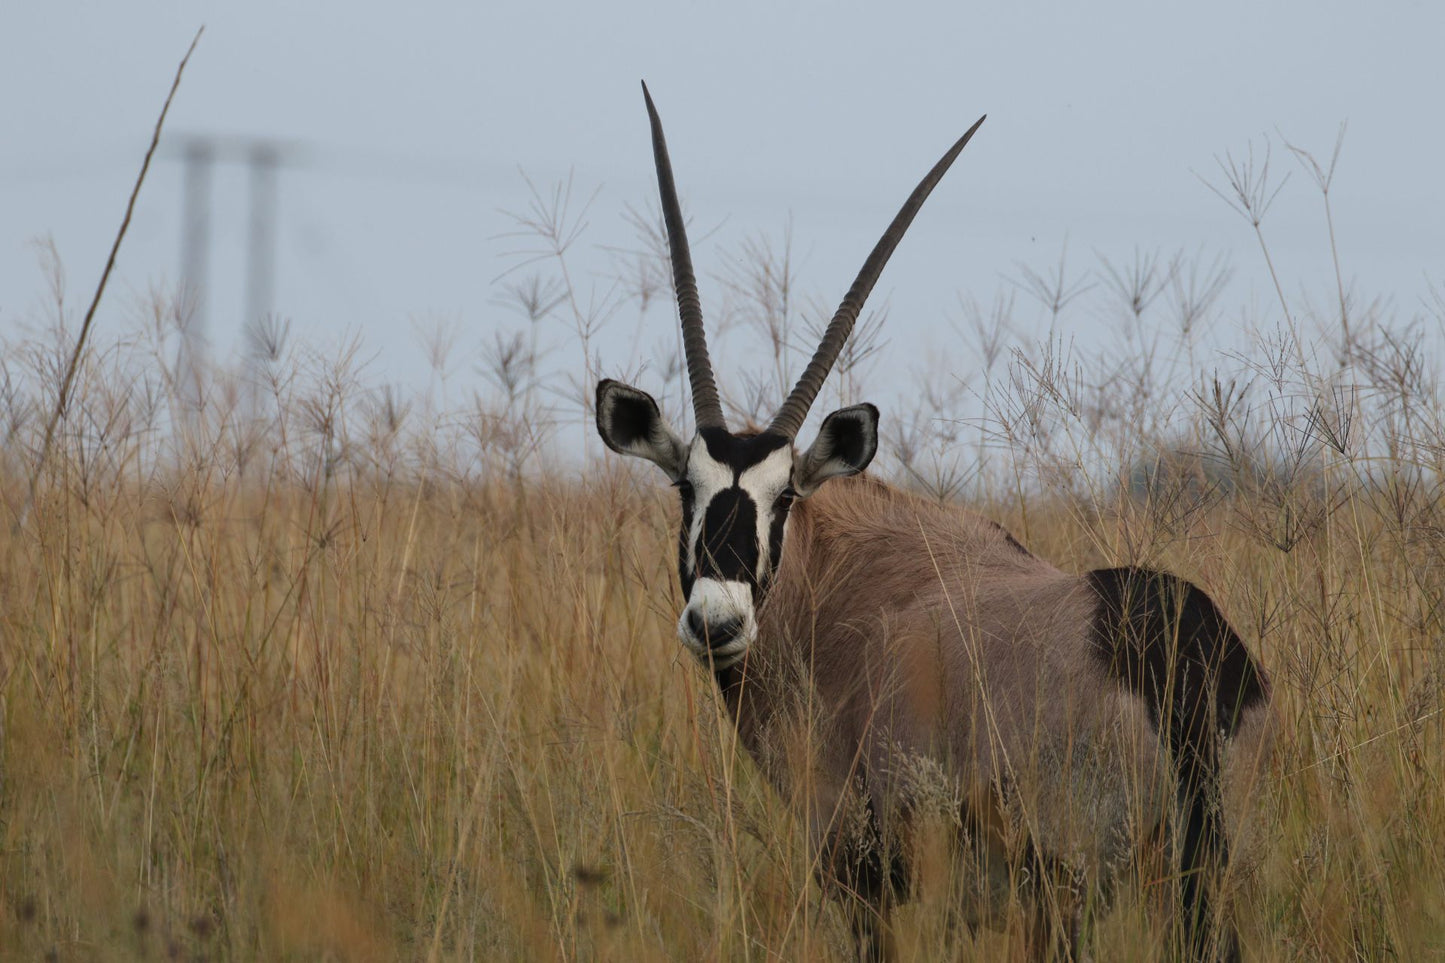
(864, 512)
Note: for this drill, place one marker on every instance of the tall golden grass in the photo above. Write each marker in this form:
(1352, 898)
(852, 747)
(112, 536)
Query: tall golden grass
(378, 719)
(312, 670)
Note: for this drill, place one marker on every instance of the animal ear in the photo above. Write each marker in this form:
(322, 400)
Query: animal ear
(846, 444)
(631, 424)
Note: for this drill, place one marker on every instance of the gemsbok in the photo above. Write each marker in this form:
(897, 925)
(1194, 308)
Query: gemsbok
(884, 656)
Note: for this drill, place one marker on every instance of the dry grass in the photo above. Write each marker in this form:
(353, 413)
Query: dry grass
(383, 720)
(323, 671)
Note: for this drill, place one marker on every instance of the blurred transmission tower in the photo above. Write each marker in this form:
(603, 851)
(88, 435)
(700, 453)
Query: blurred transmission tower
(195, 260)
(263, 157)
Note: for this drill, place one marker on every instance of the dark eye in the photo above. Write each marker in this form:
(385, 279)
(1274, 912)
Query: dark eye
(786, 496)
(684, 487)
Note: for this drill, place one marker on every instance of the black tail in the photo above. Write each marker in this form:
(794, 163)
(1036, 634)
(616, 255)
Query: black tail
(1165, 641)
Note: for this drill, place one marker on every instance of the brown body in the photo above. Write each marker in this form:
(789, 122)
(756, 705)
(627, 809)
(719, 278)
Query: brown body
(912, 655)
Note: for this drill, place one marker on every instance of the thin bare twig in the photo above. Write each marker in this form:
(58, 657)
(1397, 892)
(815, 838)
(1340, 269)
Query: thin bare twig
(74, 362)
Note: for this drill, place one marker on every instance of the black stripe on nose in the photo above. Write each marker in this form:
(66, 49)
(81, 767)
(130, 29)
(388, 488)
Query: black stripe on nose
(728, 545)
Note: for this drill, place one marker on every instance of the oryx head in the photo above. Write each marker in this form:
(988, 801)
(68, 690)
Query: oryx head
(737, 489)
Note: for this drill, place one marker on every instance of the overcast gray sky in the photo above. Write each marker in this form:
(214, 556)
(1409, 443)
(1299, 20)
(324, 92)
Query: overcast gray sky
(416, 118)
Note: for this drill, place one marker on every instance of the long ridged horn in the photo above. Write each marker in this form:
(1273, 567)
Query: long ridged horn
(790, 416)
(705, 404)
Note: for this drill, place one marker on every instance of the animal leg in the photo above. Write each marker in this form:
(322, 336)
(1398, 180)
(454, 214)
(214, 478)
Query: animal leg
(1055, 930)
(872, 937)
(867, 875)
(1203, 856)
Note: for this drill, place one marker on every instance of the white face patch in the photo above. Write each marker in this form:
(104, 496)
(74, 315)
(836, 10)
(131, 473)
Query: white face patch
(718, 603)
(765, 481)
(719, 621)
(708, 477)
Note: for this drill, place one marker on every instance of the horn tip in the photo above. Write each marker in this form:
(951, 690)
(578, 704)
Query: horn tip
(652, 112)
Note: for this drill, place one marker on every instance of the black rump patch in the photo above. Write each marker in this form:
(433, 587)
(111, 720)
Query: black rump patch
(1164, 640)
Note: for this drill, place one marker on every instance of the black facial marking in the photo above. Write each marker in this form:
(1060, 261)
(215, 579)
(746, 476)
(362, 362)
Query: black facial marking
(740, 452)
(728, 545)
(781, 508)
(688, 499)
(727, 548)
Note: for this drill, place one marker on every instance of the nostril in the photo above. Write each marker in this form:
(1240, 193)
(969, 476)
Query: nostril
(697, 625)
(724, 632)
(713, 634)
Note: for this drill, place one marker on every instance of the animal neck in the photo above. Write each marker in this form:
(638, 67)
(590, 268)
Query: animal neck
(774, 674)
(848, 548)
(731, 682)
